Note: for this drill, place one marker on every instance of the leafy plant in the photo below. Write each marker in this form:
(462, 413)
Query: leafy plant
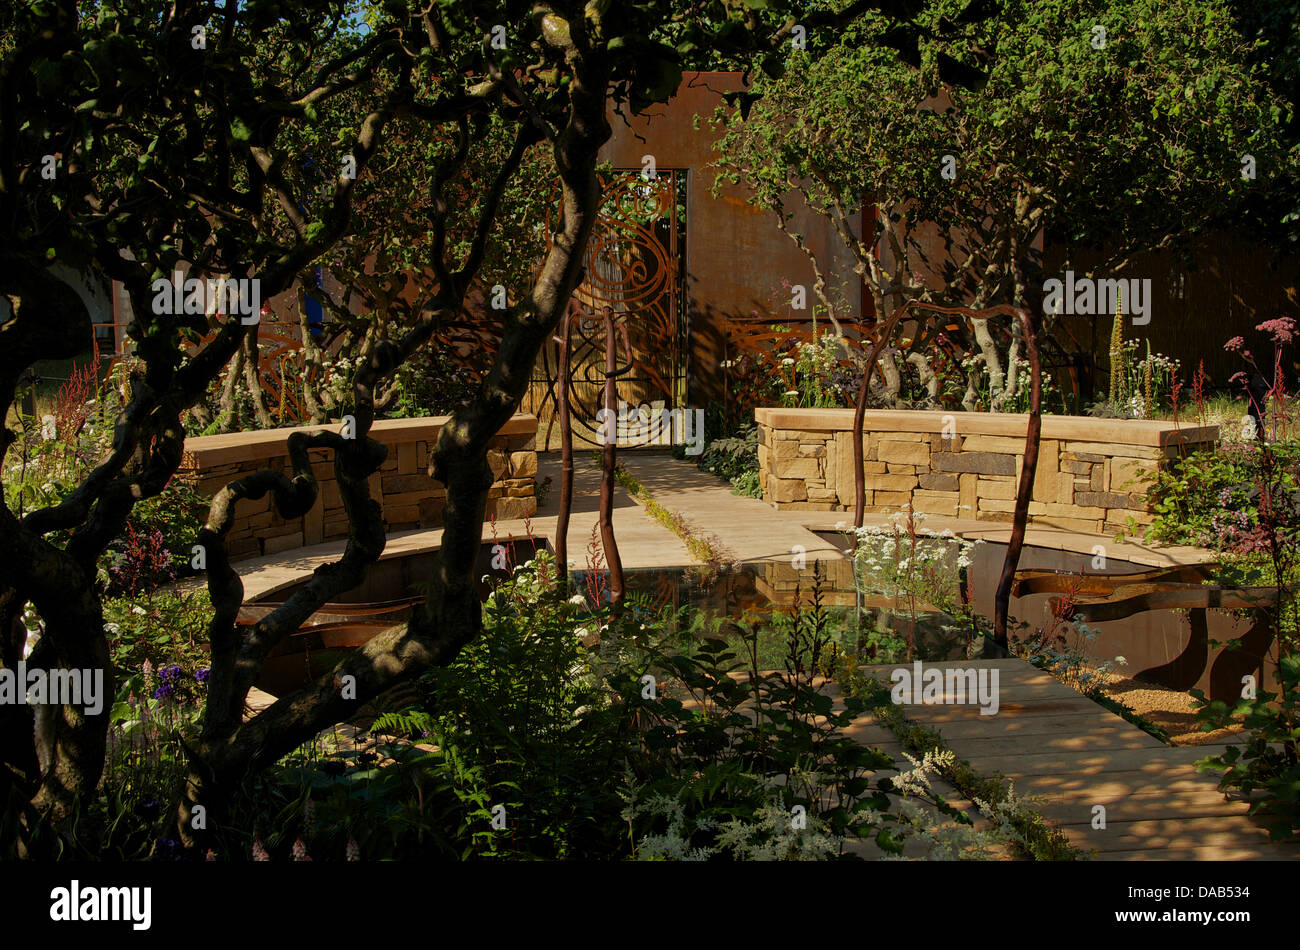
(1059, 648)
(1267, 769)
(748, 483)
(921, 573)
(159, 627)
(745, 753)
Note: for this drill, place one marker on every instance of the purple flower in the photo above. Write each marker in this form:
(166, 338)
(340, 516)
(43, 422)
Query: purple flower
(170, 674)
(165, 691)
(203, 674)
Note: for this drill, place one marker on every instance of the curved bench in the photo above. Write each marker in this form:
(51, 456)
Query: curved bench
(409, 495)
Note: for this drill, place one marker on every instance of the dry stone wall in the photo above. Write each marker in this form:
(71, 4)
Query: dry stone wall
(1092, 474)
(409, 495)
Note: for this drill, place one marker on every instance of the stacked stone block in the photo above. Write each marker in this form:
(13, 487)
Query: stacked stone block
(408, 494)
(966, 465)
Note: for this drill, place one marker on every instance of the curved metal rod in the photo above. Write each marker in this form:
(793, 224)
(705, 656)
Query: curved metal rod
(566, 449)
(609, 461)
(1033, 430)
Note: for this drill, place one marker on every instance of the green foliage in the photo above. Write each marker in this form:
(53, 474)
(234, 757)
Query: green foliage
(730, 450)
(437, 385)
(748, 483)
(1211, 497)
(918, 570)
(176, 514)
(527, 709)
(1140, 388)
(158, 627)
(1061, 648)
(815, 366)
(549, 715)
(741, 748)
(154, 716)
(1116, 147)
(734, 455)
(1267, 768)
(987, 396)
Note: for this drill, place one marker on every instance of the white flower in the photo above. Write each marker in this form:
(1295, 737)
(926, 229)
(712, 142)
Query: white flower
(139, 611)
(578, 600)
(1121, 661)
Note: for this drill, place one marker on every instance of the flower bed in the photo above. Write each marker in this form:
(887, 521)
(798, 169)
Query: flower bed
(1092, 474)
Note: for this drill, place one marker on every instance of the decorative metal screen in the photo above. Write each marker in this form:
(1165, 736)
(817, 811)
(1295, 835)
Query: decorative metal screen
(635, 266)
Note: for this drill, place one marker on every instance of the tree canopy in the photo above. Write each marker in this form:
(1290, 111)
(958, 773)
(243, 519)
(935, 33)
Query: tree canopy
(138, 138)
(1123, 125)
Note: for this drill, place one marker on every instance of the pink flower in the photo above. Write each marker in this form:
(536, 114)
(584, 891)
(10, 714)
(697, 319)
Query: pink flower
(354, 850)
(259, 851)
(300, 851)
(1235, 344)
(1281, 329)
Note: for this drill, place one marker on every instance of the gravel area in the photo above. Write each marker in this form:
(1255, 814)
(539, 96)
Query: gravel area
(1170, 709)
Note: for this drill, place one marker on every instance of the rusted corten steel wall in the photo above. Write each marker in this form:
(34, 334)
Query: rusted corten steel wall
(737, 262)
(1230, 285)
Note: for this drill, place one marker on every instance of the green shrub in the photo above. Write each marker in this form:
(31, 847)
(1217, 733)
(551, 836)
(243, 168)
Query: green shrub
(177, 514)
(161, 627)
(1267, 767)
(748, 483)
(733, 455)
(1197, 497)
